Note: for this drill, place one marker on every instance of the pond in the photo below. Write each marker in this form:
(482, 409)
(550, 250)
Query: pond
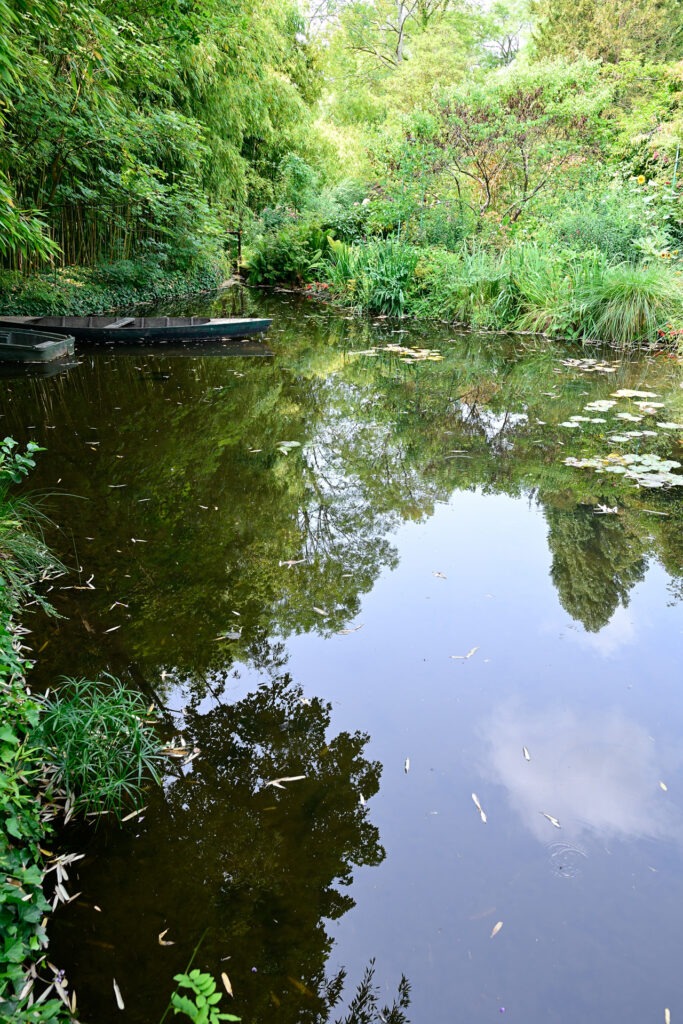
(376, 571)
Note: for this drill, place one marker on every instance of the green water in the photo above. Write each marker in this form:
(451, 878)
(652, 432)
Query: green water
(430, 515)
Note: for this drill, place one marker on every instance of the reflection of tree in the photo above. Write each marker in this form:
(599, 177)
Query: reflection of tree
(597, 560)
(259, 866)
(182, 454)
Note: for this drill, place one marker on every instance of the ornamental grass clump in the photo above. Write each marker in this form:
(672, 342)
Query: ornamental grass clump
(102, 744)
(630, 304)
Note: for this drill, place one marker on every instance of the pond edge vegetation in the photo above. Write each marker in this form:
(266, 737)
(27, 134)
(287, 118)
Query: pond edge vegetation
(53, 763)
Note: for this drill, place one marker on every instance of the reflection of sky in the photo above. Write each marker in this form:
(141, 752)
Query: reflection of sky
(597, 773)
(621, 631)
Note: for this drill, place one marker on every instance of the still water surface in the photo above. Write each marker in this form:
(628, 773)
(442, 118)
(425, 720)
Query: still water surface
(430, 516)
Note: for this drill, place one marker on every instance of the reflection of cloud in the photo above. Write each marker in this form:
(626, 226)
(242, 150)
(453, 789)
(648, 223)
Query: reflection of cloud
(619, 632)
(598, 774)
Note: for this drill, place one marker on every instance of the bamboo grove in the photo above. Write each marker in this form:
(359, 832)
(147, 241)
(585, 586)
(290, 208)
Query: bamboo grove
(141, 130)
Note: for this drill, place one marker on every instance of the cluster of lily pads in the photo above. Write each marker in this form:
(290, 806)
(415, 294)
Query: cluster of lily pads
(645, 470)
(406, 355)
(591, 365)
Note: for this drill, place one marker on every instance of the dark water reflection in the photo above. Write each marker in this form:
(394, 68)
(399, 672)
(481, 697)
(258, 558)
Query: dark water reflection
(429, 512)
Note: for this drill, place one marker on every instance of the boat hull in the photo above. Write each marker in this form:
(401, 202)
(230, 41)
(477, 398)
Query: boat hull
(19, 346)
(109, 329)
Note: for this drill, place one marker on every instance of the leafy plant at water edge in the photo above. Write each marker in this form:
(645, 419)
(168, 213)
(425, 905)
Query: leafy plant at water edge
(630, 304)
(24, 815)
(202, 1006)
(24, 559)
(291, 255)
(376, 277)
(99, 738)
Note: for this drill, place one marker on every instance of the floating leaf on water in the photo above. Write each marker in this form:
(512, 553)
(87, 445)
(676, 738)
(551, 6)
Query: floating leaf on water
(600, 405)
(667, 1016)
(319, 611)
(406, 766)
(231, 634)
(464, 657)
(277, 783)
(284, 447)
(292, 561)
(133, 814)
(663, 786)
(439, 575)
(162, 941)
(496, 928)
(226, 984)
(605, 510)
(119, 998)
(347, 632)
(527, 755)
(628, 393)
(553, 821)
(300, 987)
(482, 813)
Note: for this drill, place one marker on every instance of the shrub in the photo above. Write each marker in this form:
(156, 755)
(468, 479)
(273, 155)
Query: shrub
(98, 737)
(291, 255)
(601, 226)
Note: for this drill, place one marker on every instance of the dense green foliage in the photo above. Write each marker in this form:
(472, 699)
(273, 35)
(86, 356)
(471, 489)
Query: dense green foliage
(141, 132)
(137, 141)
(510, 171)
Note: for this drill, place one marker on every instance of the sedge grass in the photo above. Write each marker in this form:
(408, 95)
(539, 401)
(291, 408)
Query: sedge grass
(98, 737)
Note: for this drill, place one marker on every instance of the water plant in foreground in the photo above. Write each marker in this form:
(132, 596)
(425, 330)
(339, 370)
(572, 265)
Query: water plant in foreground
(201, 1006)
(100, 739)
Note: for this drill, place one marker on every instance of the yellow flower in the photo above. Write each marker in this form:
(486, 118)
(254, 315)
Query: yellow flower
(641, 179)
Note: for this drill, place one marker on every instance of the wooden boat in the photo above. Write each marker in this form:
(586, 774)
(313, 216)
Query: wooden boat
(18, 346)
(146, 328)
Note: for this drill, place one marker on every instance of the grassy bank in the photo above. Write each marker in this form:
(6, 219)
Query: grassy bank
(584, 295)
(103, 288)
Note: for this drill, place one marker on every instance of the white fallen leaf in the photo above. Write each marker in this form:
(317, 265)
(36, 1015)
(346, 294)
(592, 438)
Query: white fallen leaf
(496, 928)
(663, 786)
(527, 755)
(119, 998)
(464, 657)
(226, 984)
(277, 783)
(482, 813)
(553, 821)
(162, 941)
(439, 576)
(406, 766)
